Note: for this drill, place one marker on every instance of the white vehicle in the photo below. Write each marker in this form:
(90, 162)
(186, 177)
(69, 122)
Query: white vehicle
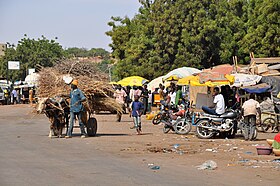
(2, 97)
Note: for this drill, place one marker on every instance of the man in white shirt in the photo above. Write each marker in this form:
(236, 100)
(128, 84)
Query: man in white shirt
(172, 96)
(219, 104)
(14, 96)
(249, 110)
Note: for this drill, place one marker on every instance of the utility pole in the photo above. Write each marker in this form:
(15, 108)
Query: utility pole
(110, 77)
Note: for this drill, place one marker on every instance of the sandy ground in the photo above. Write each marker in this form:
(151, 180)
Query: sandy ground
(117, 156)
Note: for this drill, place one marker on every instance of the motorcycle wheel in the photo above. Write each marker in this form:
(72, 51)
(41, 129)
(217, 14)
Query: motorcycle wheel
(166, 129)
(157, 119)
(204, 133)
(230, 134)
(268, 125)
(182, 127)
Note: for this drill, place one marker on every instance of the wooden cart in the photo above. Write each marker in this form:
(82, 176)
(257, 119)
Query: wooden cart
(90, 123)
(270, 122)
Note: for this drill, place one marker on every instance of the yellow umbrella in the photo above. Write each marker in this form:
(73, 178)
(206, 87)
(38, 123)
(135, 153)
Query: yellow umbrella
(230, 78)
(194, 81)
(218, 83)
(172, 78)
(132, 81)
(187, 80)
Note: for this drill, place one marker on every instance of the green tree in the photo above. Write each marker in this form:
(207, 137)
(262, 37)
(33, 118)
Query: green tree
(263, 30)
(83, 52)
(77, 52)
(167, 34)
(31, 53)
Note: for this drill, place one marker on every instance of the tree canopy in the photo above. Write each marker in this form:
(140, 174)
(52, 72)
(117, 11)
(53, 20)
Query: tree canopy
(83, 52)
(167, 34)
(31, 53)
(44, 53)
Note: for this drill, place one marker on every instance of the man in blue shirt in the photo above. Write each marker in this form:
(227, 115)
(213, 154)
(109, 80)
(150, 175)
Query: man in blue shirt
(76, 109)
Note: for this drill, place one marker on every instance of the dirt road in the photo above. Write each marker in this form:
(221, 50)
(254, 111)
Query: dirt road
(117, 156)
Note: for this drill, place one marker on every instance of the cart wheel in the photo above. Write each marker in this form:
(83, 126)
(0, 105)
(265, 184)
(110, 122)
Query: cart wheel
(269, 124)
(259, 127)
(91, 127)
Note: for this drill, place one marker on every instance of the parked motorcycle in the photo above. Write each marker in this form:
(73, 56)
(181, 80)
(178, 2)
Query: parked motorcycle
(181, 125)
(184, 124)
(163, 115)
(209, 125)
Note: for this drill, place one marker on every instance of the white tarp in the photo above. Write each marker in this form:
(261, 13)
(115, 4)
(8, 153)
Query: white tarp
(155, 83)
(245, 79)
(182, 72)
(32, 79)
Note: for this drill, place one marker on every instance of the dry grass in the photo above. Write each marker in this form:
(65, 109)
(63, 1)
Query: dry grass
(92, 82)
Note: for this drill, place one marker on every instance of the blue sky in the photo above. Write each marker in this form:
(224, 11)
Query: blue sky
(76, 23)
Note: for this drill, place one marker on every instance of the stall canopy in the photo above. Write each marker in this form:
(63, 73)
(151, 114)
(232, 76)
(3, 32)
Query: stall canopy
(181, 73)
(133, 81)
(257, 89)
(187, 80)
(221, 69)
(113, 83)
(208, 80)
(215, 77)
(245, 79)
(155, 83)
(274, 82)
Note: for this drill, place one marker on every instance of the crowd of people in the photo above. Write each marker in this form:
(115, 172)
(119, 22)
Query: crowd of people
(225, 97)
(14, 95)
(138, 100)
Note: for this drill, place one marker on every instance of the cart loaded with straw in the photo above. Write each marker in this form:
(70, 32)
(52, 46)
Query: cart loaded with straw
(54, 89)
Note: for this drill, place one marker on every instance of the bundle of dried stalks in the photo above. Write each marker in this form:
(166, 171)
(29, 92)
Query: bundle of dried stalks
(80, 68)
(98, 93)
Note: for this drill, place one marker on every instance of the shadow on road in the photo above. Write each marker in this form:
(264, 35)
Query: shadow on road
(104, 134)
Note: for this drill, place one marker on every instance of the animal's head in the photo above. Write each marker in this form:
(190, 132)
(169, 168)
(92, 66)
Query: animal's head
(41, 105)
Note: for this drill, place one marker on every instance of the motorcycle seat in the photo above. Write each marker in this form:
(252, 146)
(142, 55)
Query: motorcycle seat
(210, 115)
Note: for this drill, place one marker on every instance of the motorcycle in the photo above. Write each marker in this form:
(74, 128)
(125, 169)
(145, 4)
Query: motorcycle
(180, 125)
(209, 125)
(163, 115)
(184, 125)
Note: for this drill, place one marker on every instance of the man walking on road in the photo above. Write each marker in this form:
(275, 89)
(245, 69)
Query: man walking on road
(250, 109)
(14, 96)
(120, 96)
(145, 96)
(137, 110)
(76, 109)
